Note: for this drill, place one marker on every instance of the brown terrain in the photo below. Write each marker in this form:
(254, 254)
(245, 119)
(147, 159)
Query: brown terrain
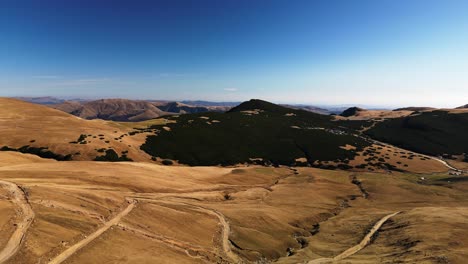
(129, 110)
(112, 109)
(356, 113)
(23, 123)
(83, 211)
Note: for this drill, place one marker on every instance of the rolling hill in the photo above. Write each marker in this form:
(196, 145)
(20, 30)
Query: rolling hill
(131, 110)
(255, 132)
(181, 108)
(436, 132)
(113, 109)
(84, 211)
(259, 132)
(357, 113)
(47, 132)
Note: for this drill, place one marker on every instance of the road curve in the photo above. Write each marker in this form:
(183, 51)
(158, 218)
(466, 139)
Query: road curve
(225, 228)
(445, 163)
(225, 235)
(353, 250)
(14, 243)
(73, 249)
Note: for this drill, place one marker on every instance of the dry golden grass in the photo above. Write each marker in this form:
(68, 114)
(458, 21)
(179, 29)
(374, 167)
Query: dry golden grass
(376, 114)
(430, 227)
(224, 215)
(139, 212)
(7, 217)
(141, 124)
(177, 207)
(400, 158)
(23, 123)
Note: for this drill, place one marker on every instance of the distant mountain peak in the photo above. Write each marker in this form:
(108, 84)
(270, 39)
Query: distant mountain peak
(254, 104)
(352, 111)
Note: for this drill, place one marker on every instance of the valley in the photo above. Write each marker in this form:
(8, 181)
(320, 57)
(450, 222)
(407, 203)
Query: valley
(303, 206)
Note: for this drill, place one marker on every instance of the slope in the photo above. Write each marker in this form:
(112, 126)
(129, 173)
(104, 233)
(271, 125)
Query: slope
(253, 130)
(437, 132)
(52, 133)
(113, 109)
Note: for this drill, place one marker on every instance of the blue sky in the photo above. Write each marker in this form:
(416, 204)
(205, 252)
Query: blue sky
(385, 53)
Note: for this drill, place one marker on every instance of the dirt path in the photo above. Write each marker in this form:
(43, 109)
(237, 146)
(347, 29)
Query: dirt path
(73, 249)
(14, 243)
(353, 250)
(445, 163)
(225, 228)
(187, 248)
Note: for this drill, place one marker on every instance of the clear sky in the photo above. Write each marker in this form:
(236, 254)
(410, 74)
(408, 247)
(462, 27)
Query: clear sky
(375, 52)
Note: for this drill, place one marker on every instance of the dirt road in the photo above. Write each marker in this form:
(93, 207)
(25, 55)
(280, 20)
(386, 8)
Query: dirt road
(445, 163)
(224, 234)
(225, 228)
(19, 198)
(353, 250)
(73, 249)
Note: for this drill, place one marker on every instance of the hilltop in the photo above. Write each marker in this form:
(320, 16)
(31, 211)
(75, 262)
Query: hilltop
(351, 111)
(435, 132)
(357, 113)
(253, 130)
(260, 132)
(181, 108)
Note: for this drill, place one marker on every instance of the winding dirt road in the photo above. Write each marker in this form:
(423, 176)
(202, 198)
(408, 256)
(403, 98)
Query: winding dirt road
(353, 250)
(19, 198)
(225, 228)
(73, 249)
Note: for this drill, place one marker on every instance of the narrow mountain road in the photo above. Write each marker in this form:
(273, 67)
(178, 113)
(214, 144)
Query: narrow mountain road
(445, 163)
(424, 155)
(353, 250)
(14, 243)
(225, 231)
(73, 249)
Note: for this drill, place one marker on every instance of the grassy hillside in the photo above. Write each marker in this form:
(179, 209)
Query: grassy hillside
(112, 109)
(437, 132)
(253, 130)
(50, 133)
